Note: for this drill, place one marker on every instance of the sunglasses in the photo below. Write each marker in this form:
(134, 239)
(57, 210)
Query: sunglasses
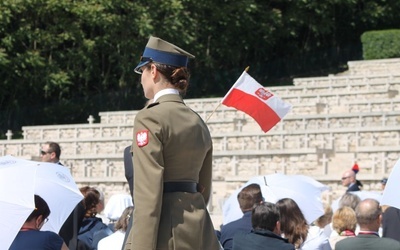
(44, 152)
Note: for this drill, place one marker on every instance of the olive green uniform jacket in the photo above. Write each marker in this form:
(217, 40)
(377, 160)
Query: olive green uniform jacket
(171, 143)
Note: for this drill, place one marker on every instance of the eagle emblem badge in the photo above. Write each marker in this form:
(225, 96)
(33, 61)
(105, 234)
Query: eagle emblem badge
(142, 138)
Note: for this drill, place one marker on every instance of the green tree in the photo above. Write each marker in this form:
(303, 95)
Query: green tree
(61, 60)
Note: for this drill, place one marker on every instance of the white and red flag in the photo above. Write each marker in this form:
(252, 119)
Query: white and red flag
(252, 98)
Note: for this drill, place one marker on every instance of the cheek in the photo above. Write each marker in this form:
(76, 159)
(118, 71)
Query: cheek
(147, 87)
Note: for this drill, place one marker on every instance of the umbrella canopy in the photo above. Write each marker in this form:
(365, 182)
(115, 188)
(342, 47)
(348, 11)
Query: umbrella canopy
(20, 180)
(304, 190)
(391, 195)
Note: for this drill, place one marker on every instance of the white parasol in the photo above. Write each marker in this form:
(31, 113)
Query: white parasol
(304, 190)
(19, 181)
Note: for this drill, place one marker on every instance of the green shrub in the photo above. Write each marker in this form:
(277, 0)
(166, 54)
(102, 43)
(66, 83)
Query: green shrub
(380, 44)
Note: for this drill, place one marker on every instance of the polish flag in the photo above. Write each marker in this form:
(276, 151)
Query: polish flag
(252, 98)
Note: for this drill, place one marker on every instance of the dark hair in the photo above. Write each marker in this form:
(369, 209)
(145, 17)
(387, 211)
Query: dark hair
(54, 147)
(179, 77)
(123, 221)
(90, 200)
(265, 215)
(293, 223)
(41, 208)
(249, 196)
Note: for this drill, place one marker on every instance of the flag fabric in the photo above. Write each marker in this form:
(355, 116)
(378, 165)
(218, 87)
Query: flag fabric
(252, 98)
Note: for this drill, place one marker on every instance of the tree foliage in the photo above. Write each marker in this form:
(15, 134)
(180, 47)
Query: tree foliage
(62, 60)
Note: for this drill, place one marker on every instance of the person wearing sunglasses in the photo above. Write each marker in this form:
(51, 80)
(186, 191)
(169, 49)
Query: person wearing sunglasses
(349, 181)
(50, 152)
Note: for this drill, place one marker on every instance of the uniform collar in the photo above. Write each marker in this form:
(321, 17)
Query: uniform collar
(165, 92)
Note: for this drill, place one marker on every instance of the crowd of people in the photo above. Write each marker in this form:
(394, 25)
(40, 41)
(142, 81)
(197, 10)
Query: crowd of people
(169, 171)
(356, 224)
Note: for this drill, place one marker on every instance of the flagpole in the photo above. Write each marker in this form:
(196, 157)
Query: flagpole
(246, 69)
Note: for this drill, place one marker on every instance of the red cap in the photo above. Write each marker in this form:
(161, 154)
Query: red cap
(355, 168)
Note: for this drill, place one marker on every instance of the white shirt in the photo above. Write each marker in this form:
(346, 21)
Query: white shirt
(165, 92)
(316, 240)
(113, 241)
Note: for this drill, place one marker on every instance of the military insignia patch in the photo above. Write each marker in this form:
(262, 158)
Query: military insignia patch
(142, 138)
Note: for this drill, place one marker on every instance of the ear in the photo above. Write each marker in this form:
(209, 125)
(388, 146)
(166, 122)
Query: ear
(39, 222)
(52, 155)
(153, 71)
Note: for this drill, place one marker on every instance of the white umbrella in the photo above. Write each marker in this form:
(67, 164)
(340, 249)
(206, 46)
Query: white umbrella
(305, 191)
(19, 181)
(391, 195)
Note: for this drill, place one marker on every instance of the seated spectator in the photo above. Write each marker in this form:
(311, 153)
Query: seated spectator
(30, 236)
(369, 216)
(115, 240)
(247, 198)
(266, 231)
(294, 227)
(93, 229)
(344, 223)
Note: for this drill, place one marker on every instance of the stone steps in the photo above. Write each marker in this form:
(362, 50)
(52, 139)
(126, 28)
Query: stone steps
(372, 67)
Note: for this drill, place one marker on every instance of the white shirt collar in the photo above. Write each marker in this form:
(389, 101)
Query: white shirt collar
(165, 92)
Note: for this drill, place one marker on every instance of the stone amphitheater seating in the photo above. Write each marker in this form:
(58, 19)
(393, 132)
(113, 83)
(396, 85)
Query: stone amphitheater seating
(335, 121)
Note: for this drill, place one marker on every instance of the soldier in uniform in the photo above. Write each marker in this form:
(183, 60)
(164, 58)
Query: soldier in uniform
(172, 151)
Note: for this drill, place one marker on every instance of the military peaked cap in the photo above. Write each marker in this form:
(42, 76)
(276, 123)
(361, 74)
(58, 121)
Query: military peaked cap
(160, 51)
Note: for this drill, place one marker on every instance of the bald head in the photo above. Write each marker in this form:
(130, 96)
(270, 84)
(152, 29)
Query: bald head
(368, 213)
(348, 177)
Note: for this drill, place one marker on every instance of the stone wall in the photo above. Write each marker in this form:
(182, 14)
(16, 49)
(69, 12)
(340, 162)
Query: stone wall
(335, 121)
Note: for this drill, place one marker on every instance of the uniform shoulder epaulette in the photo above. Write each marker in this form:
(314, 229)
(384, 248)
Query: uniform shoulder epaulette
(152, 104)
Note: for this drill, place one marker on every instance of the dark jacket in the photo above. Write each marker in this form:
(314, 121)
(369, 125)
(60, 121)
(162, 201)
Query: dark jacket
(70, 228)
(260, 240)
(353, 187)
(92, 231)
(229, 230)
(391, 223)
(128, 165)
(367, 242)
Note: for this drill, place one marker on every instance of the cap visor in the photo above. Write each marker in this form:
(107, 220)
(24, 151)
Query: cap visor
(138, 69)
